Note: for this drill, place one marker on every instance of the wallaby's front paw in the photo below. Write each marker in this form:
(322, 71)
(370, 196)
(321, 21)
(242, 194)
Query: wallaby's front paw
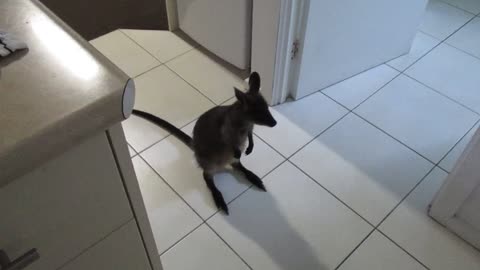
(249, 150)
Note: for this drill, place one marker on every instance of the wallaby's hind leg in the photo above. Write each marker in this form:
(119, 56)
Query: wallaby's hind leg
(251, 177)
(217, 195)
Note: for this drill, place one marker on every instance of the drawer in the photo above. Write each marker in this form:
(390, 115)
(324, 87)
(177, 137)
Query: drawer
(65, 206)
(122, 250)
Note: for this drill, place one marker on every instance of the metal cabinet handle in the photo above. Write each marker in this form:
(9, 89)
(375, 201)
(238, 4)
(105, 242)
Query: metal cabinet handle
(20, 263)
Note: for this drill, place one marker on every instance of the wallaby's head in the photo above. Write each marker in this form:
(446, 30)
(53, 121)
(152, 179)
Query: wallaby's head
(254, 106)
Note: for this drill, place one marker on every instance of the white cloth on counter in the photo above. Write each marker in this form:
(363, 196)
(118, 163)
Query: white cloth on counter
(9, 44)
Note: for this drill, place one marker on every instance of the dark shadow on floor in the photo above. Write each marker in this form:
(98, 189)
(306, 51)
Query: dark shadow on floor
(91, 18)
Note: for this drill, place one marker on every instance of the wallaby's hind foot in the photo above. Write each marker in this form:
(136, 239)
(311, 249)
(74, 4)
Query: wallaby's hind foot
(216, 194)
(251, 177)
(220, 202)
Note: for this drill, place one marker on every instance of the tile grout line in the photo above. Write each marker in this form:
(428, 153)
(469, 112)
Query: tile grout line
(441, 94)
(203, 221)
(168, 184)
(191, 85)
(438, 42)
(134, 151)
(462, 50)
(146, 71)
(403, 249)
(247, 189)
(331, 193)
(181, 239)
(391, 136)
(441, 41)
(464, 136)
(435, 165)
(318, 135)
(92, 245)
(354, 249)
(166, 65)
(430, 35)
(228, 245)
(462, 9)
(147, 51)
(406, 196)
(315, 182)
(182, 54)
(376, 227)
(372, 94)
(265, 142)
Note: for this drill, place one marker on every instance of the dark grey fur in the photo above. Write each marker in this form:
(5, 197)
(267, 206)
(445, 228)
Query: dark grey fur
(221, 135)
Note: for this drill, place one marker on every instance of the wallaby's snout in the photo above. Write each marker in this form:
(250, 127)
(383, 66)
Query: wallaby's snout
(263, 117)
(271, 122)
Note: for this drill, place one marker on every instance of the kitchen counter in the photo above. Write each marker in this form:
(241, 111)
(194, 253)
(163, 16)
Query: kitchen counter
(55, 95)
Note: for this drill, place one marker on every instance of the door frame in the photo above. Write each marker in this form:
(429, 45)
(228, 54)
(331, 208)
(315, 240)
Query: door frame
(290, 32)
(288, 36)
(455, 191)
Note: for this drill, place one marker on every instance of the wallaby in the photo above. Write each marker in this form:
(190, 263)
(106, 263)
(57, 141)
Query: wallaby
(220, 135)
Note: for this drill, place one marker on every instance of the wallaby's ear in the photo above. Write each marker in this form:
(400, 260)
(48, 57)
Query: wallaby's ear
(240, 95)
(254, 82)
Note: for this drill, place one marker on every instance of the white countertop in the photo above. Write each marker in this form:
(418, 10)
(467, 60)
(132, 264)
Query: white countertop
(54, 95)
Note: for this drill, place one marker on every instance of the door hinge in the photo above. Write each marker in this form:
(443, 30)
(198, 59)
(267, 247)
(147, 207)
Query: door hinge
(294, 50)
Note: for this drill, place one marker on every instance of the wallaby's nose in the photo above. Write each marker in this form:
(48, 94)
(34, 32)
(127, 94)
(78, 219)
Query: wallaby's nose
(273, 123)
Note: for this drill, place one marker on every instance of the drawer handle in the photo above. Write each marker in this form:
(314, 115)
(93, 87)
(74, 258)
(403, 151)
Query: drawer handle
(21, 262)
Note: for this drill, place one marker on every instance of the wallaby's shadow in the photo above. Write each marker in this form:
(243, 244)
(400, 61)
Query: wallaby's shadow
(259, 218)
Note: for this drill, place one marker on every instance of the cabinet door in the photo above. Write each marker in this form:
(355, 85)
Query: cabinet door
(122, 250)
(65, 206)
(457, 204)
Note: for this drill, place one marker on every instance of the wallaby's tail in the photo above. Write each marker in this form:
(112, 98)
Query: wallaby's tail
(166, 125)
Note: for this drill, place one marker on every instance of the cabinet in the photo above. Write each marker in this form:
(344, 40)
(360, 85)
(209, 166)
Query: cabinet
(80, 210)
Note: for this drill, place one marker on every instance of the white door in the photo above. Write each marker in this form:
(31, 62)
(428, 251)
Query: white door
(342, 38)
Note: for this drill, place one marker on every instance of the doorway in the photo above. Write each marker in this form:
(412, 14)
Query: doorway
(109, 15)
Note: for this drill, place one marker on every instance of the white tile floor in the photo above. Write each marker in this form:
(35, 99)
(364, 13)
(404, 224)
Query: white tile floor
(349, 170)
